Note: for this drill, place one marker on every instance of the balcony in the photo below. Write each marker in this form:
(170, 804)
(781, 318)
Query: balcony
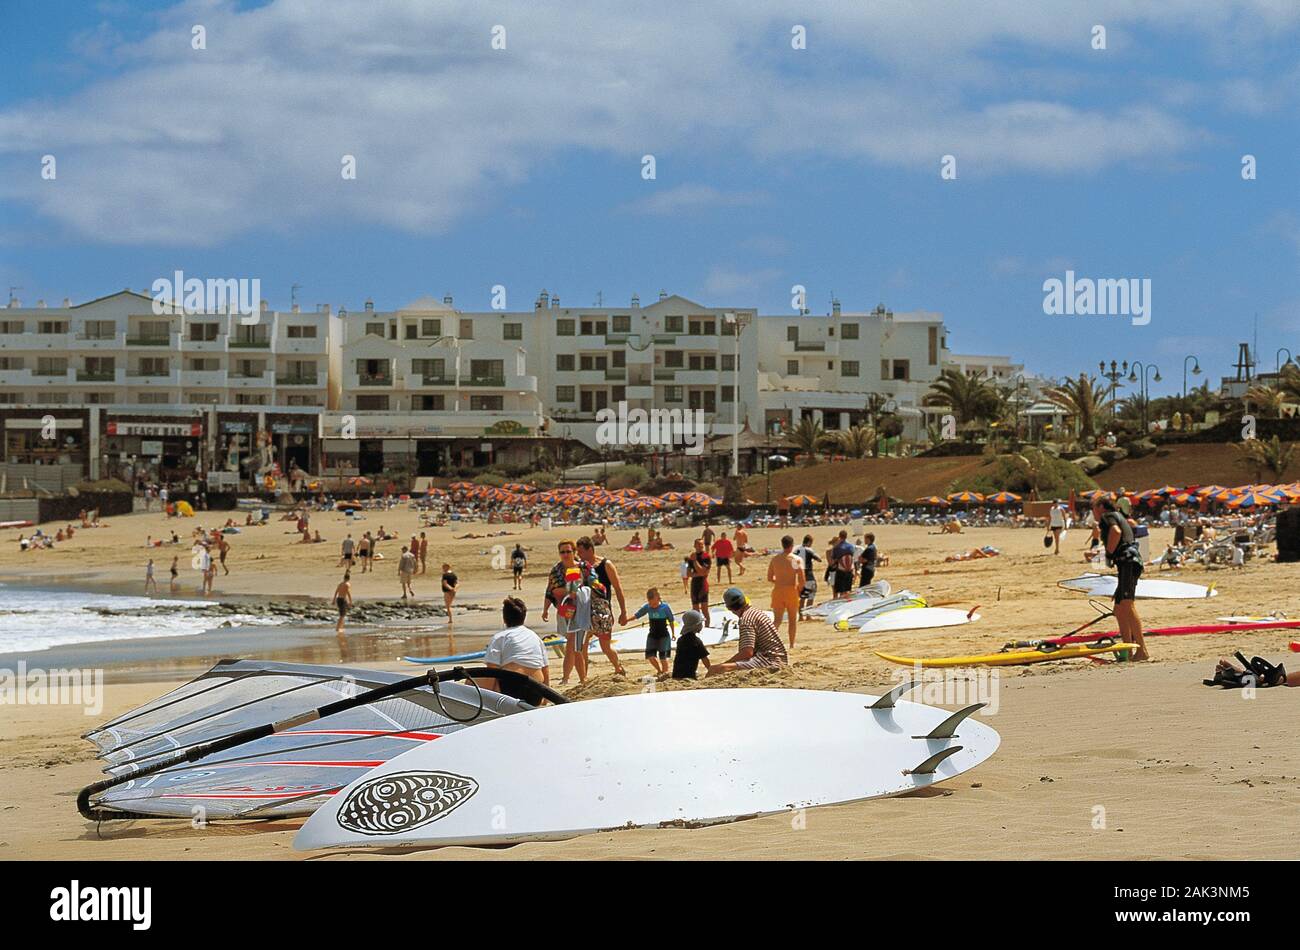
(110, 341)
(616, 339)
(256, 343)
(616, 372)
(149, 340)
(96, 376)
(293, 379)
(366, 379)
(147, 374)
(663, 375)
(482, 380)
(661, 339)
(810, 346)
(250, 380)
(205, 378)
(642, 391)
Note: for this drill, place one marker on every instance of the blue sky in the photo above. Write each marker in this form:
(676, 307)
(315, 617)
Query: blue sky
(775, 166)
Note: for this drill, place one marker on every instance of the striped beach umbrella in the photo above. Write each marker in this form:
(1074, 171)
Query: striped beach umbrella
(932, 500)
(799, 499)
(966, 497)
(1003, 498)
(1250, 499)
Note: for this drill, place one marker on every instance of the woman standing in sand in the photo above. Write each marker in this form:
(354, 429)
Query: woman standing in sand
(606, 585)
(343, 599)
(575, 645)
(449, 584)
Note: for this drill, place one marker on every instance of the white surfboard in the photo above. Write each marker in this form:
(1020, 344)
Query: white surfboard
(1271, 618)
(1103, 585)
(633, 639)
(858, 611)
(874, 591)
(670, 759)
(917, 618)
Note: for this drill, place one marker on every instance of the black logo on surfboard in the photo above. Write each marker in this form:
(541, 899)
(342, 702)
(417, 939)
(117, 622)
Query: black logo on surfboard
(395, 803)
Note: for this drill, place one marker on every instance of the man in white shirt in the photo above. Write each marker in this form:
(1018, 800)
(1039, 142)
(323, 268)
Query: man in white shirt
(516, 648)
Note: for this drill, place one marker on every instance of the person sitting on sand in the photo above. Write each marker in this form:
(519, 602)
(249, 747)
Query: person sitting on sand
(760, 643)
(1260, 673)
(516, 648)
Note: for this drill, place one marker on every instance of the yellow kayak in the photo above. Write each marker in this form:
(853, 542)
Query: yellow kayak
(1009, 658)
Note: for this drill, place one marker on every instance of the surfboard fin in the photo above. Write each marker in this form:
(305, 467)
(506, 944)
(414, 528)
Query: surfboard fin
(948, 728)
(890, 698)
(929, 765)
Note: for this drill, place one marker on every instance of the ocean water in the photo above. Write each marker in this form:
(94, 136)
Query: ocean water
(37, 619)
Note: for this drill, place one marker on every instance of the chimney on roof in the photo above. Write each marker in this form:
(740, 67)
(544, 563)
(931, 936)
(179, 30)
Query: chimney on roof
(835, 306)
(663, 295)
(296, 308)
(555, 302)
(370, 305)
(67, 302)
(323, 308)
(636, 300)
(14, 301)
(41, 304)
(447, 300)
(265, 306)
(543, 300)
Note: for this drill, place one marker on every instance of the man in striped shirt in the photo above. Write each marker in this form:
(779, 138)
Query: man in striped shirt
(760, 643)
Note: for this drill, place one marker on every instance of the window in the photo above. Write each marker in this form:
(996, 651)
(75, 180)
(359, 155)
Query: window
(728, 362)
(792, 367)
(849, 368)
(704, 328)
(11, 326)
(488, 371)
(433, 403)
(153, 399)
(884, 369)
(51, 366)
(594, 327)
(673, 324)
(902, 369)
(674, 359)
(594, 400)
(203, 332)
(703, 362)
(13, 362)
(672, 394)
(728, 394)
(564, 362)
(154, 330)
(792, 334)
(618, 359)
(564, 327)
(486, 403)
(98, 398)
(10, 399)
(301, 332)
(302, 400)
(565, 393)
(54, 398)
(622, 323)
(412, 331)
(53, 326)
(372, 403)
(588, 362)
(705, 399)
(102, 366)
(430, 328)
(429, 369)
(203, 399)
(374, 329)
(100, 330)
(466, 329)
(245, 399)
(849, 331)
(934, 346)
(512, 331)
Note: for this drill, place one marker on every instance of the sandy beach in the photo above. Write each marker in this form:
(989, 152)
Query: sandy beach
(1097, 760)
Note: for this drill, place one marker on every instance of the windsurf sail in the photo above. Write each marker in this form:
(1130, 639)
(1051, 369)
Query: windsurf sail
(261, 739)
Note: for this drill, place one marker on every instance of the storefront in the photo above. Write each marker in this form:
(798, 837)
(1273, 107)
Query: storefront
(159, 447)
(237, 444)
(294, 442)
(46, 438)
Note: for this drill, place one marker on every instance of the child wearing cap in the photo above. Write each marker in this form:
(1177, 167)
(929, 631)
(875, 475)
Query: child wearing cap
(690, 648)
(659, 638)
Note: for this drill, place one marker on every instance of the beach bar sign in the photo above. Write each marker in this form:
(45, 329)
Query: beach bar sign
(157, 429)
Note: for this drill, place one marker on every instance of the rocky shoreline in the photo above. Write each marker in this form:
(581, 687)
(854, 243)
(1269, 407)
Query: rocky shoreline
(305, 611)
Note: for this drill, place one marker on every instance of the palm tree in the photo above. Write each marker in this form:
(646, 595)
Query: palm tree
(1085, 399)
(1271, 455)
(855, 442)
(1033, 464)
(1289, 382)
(1266, 399)
(808, 437)
(971, 398)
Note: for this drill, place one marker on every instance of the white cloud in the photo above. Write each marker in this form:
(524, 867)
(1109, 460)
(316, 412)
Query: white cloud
(684, 199)
(725, 281)
(193, 147)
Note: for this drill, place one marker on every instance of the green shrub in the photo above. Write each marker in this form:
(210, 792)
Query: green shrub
(1055, 480)
(626, 476)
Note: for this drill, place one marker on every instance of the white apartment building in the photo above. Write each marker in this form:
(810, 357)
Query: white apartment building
(430, 389)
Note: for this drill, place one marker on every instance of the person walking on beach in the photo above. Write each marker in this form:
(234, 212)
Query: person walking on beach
(867, 560)
(742, 548)
(806, 554)
(208, 569)
(223, 548)
(1056, 524)
(606, 587)
(760, 643)
(518, 563)
(343, 600)
(575, 642)
(405, 570)
(149, 581)
(346, 551)
(364, 548)
(1123, 553)
(424, 554)
(785, 574)
(449, 584)
(723, 549)
(175, 571)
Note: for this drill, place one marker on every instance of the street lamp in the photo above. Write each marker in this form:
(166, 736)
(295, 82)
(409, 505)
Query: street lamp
(1114, 375)
(1196, 371)
(1289, 358)
(1145, 387)
(739, 321)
